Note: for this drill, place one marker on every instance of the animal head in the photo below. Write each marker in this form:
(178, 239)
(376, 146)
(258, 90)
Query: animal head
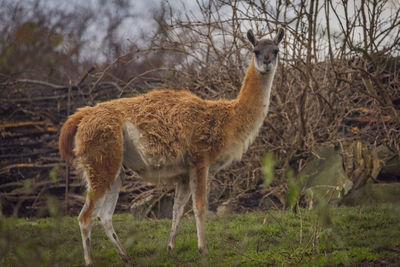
(265, 51)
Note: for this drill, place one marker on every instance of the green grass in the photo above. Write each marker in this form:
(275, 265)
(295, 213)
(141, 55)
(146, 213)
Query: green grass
(348, 236)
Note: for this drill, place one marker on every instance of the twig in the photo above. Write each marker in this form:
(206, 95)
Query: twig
(52, 85)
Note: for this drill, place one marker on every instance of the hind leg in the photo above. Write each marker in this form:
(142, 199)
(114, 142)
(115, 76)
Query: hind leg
(100, 201)
(100, 171)
(85, 219)
(105, 217)
(98, 151)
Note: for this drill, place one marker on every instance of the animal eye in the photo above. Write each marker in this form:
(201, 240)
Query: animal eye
(275, 51)
(256, 52)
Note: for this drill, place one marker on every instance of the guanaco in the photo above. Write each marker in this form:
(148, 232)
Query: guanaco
(166, 136)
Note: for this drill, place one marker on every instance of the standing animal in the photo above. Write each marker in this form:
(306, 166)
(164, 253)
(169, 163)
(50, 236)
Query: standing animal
(166, 136)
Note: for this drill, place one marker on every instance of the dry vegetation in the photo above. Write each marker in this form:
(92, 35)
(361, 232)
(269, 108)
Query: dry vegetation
(337, 83)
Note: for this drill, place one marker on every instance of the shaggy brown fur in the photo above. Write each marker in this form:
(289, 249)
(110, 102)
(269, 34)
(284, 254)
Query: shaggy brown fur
(66, 140)
(176, 129)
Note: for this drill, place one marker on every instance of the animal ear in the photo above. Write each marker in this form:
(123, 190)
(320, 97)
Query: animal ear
(279, 36)
(252, 38)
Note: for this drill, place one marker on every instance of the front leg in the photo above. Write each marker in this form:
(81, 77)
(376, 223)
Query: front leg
(198, 188)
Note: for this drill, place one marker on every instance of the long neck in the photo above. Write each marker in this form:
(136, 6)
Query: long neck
(253, 100)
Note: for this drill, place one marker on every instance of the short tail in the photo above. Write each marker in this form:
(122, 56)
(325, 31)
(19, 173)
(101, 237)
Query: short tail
(67, 135)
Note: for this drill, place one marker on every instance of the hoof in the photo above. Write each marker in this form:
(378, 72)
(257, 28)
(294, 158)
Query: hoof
(203, 250)
(125, 258)
(171, 243)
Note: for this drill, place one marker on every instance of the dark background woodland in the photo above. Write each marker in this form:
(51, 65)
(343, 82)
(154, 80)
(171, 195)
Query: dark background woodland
(337, 83)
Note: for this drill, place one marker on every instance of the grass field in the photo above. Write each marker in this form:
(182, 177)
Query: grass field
(348, 236)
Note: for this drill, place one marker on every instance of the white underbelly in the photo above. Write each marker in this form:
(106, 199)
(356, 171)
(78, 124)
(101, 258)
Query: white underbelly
(165, 175)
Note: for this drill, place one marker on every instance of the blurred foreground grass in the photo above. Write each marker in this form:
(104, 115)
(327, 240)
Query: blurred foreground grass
(343, 235)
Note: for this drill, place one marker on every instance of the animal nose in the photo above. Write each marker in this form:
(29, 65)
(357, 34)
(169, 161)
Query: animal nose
(267, 60)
